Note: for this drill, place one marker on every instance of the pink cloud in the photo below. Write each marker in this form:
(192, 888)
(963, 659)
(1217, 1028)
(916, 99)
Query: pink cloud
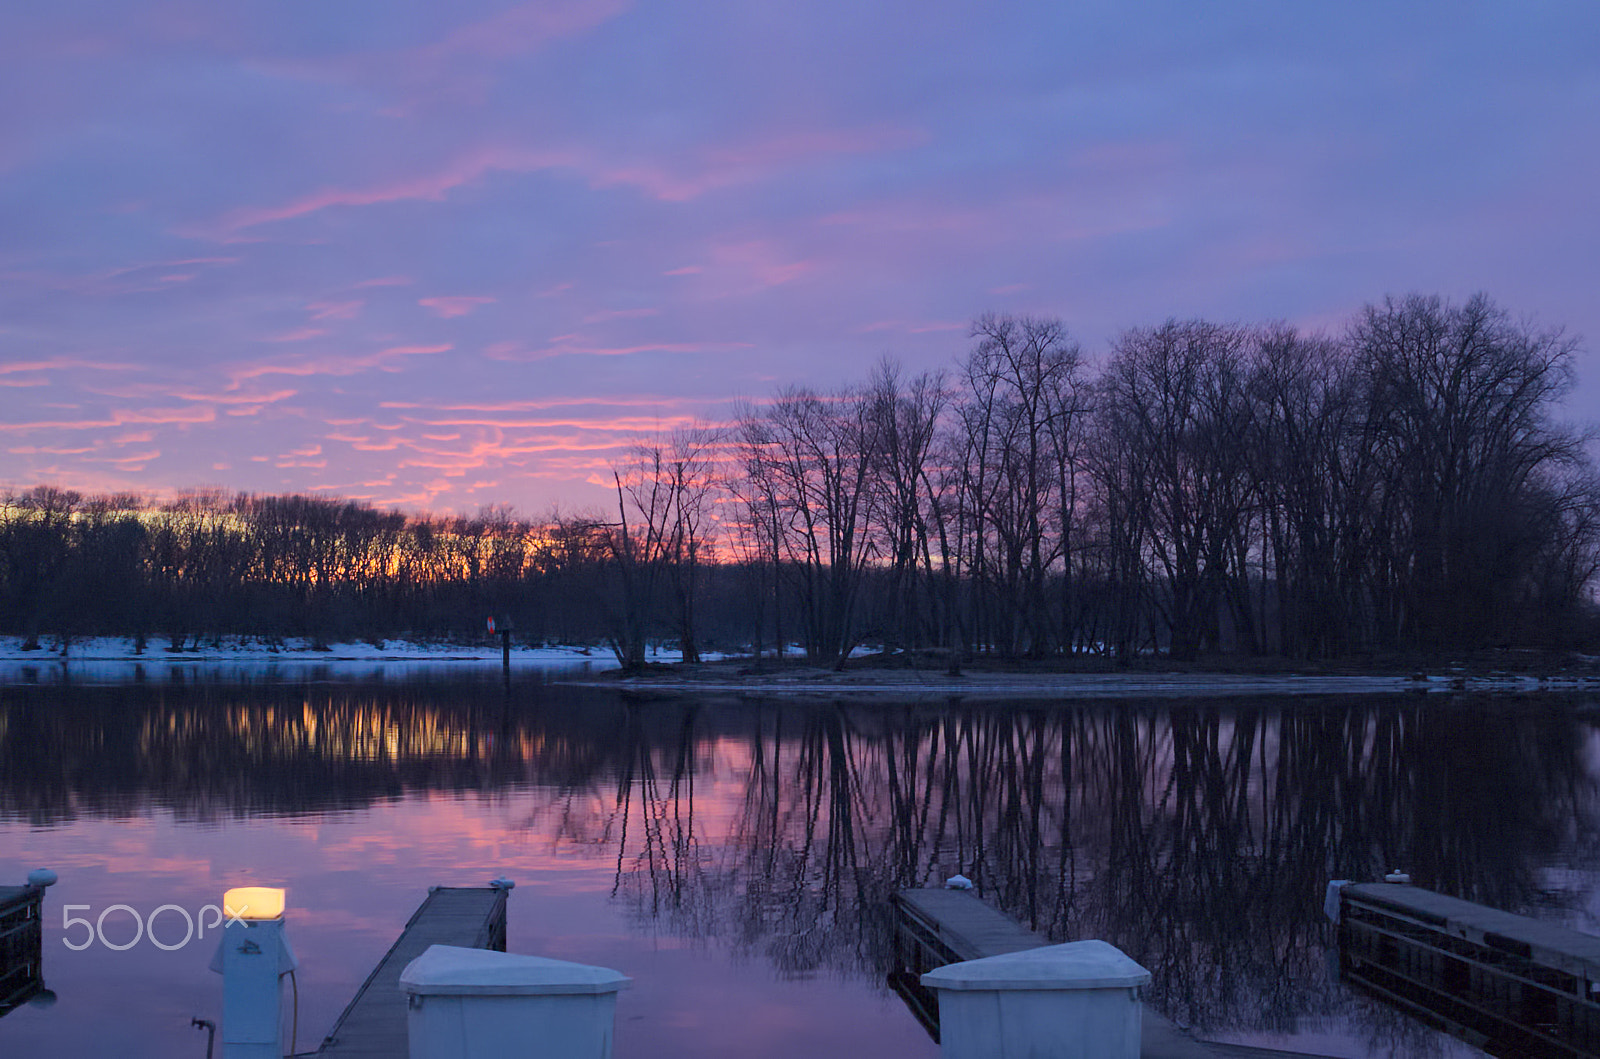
(619, 314)
(332, 310)
(121, 417)
(911, 327)
(239, 398)
(432, 187)
(64, 362)
(561, 348)
(616, 423)
(716, 168)
(543, 403)
(300, 335)
(140, 458)
(522, 29)
(123, 279)
(383, 360)
(747, 163)
(461, 64)
(454, 305)
(687, 270)
(756, 259)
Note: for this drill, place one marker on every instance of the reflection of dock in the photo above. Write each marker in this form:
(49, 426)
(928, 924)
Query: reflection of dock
(374, 1023)
(1510, 985)
(936, 927)
(21, 945)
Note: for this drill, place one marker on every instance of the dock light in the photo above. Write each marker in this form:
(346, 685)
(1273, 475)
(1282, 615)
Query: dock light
(253, 902)
(252, 956)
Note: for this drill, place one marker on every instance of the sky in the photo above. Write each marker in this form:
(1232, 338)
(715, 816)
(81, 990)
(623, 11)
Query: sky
(445, 256)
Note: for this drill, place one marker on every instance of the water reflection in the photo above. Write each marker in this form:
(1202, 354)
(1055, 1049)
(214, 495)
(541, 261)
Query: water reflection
(1197, 837)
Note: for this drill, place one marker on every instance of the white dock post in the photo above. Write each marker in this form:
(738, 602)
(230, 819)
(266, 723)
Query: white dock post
(252, 956)
(1073, 1001)
(481, 1004)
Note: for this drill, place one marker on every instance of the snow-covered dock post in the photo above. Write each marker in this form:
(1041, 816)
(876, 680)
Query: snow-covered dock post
(481, 1004)
(1074, 1001)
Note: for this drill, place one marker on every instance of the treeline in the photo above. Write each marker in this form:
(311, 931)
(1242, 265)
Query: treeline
(1401, 487)
(1209, 487)
(209, 565)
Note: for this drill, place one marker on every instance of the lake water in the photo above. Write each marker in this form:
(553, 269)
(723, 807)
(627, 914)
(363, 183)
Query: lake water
(734, 855)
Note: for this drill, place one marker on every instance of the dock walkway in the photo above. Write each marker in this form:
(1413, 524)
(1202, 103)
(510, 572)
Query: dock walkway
(21, 945)
(1503, 982)
(373, 1025)
(951, 926)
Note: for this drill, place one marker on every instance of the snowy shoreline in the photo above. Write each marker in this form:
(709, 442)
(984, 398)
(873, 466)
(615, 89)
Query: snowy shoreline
(114, 659)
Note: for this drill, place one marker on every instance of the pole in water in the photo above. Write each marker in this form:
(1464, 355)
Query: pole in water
(503, 627)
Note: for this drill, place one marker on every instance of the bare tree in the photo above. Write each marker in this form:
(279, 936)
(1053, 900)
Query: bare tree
(1458, 403)
(1020, 425)
(1175, 399)
(812, 456)
(907, 416)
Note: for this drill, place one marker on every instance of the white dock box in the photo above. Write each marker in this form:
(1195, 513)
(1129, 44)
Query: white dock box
(477, 1004)
(1073, 1001)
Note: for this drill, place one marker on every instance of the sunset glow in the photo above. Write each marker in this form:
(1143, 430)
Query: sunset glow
(440, 258)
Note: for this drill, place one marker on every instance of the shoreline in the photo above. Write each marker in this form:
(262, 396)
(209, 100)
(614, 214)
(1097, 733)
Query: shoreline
(113, 659)
(1086, 685)
(1094, 678)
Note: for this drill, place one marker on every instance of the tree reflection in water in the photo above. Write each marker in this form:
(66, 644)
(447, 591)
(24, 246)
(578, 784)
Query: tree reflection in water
(1197, 837)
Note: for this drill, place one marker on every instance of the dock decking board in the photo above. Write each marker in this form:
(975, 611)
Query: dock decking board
(374, 1023)
(966, 928)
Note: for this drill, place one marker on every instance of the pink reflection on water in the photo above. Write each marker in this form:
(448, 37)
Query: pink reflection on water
(354, 878)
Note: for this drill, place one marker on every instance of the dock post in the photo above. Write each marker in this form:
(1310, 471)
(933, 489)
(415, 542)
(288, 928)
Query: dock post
(1074, 1001)
(252, 956)
(480, 1004)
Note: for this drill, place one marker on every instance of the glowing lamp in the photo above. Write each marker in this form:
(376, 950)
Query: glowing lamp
(253, 902)
(252, 956)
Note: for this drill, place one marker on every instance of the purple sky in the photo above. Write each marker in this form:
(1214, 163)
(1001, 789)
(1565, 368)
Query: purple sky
(445, 255)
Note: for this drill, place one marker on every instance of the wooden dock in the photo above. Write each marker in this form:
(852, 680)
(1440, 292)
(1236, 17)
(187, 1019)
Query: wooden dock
(373, 1025)
(1505, 983)
(21, 945)
(937, 926)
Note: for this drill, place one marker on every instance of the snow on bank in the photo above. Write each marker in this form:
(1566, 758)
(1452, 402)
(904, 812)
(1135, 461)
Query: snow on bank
(112, 660)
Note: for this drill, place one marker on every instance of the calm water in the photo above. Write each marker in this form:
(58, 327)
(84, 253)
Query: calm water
(733, 856)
